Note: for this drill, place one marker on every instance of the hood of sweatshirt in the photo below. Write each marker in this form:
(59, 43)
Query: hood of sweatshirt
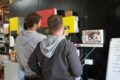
(49, 45)
(26, 36)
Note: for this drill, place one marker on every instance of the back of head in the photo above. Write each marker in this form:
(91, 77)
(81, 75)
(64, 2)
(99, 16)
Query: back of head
(32, 19)
(55, 22)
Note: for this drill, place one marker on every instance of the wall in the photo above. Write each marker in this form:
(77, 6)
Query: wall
(23, 7)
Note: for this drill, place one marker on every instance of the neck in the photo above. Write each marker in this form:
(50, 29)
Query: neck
(57, 33)
(31, 29)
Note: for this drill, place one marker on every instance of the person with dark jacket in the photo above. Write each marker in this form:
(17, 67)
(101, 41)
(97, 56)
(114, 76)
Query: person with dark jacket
(55, 58)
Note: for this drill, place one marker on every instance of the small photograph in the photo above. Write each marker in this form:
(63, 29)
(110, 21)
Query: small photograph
(92, 36)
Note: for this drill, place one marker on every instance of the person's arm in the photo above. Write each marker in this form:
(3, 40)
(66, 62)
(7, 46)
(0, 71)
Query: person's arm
(74, 62)
(19, 62)
(17, 55)
(33, 61)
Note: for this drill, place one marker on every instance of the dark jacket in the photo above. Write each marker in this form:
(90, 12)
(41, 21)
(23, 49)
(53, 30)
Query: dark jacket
(63, 65)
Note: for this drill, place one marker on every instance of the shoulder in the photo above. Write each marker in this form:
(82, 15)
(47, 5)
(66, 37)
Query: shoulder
(67, 43)
(40, 35)
(37, 38)
(68, 47)
(17, 38)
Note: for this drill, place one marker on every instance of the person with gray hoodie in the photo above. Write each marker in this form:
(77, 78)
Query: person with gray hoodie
(55, 58)
(27, 41)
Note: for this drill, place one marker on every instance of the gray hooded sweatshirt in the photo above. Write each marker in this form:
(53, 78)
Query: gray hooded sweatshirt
(25, 44)
(48, 46)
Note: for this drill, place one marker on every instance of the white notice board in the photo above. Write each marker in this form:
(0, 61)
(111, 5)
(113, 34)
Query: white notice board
(113, 66)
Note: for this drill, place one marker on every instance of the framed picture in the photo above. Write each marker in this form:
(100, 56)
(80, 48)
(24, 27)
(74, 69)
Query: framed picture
(93, 36)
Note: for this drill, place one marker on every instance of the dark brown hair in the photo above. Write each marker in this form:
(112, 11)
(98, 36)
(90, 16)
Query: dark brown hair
(55, 22)
(31, 19)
